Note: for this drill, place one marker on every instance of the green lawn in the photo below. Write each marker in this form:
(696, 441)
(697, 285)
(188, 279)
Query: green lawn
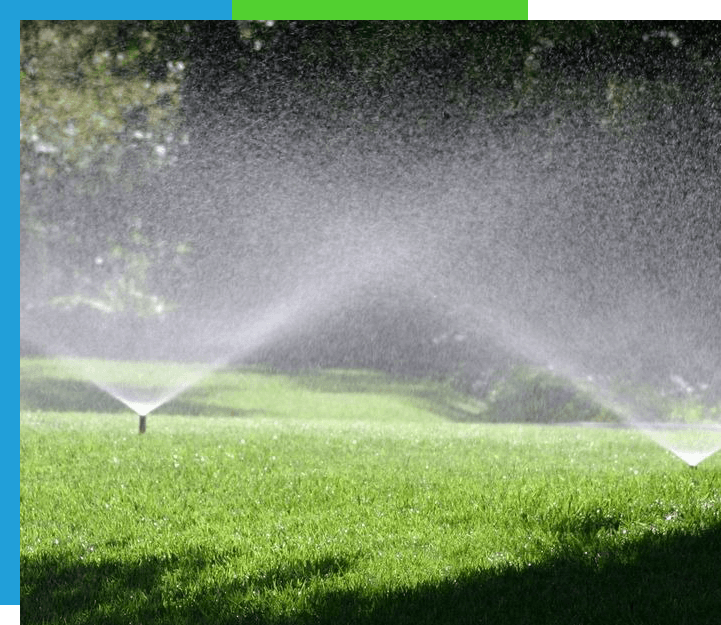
(348, 497)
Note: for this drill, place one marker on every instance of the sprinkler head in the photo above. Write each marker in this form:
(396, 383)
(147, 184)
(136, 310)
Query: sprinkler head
(141, 424)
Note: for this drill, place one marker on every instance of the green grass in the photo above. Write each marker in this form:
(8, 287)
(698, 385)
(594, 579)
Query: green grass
(348, 497)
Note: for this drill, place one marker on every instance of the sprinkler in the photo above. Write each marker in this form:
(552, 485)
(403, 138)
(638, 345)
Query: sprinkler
(141, 423)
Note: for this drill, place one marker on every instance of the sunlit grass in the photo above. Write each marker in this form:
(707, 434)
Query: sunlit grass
(312, 506)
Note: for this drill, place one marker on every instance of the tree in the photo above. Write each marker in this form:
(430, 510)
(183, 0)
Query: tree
(96, 110)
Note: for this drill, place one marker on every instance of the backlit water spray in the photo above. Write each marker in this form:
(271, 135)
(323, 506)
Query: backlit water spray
(145, 361)
(570, 220)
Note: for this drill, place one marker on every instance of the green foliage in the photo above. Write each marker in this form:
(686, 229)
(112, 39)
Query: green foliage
(535, 396)
(87, 101)
(94, 116)
(124, 287)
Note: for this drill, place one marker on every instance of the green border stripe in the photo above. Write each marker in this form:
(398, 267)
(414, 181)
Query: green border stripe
(381, 10)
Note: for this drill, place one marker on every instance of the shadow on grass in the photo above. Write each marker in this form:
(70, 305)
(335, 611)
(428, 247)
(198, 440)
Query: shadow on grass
(66, 395)
(672, 580)
(65, 589)
(425, 394)
(187, 406)
(76, 395)
(71, 395)
(657, 580)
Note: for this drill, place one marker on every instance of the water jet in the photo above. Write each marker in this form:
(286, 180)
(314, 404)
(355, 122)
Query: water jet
(145, 361)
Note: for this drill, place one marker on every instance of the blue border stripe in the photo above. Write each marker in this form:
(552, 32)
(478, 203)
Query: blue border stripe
(129, 10)
(10, 250)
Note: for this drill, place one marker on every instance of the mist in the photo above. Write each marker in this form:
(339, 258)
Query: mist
(396, 210)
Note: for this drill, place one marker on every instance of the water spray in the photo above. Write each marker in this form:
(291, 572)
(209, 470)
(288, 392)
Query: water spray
(587, 240)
